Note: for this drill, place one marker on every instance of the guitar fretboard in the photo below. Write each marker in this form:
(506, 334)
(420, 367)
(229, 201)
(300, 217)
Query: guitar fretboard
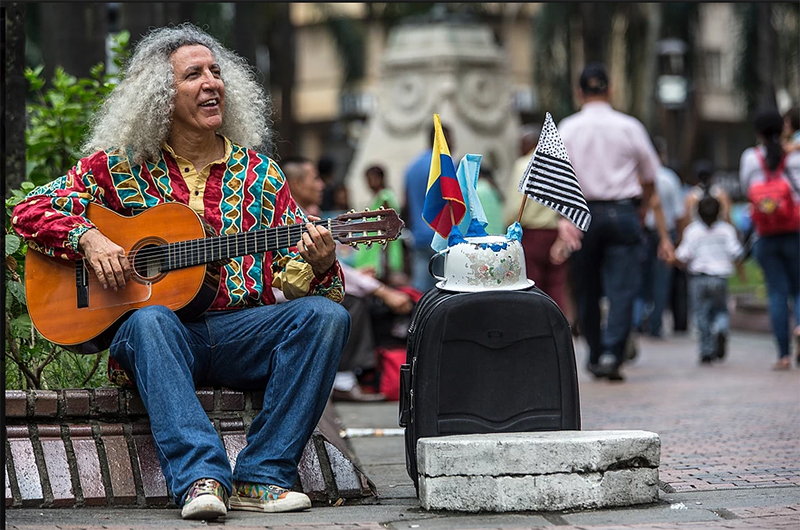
(210, 249)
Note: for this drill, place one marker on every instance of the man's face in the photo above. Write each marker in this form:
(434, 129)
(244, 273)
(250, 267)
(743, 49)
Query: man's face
(307, 189)
(200, 92)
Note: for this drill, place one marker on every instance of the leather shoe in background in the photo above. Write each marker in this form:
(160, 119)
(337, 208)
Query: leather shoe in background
(356, 394)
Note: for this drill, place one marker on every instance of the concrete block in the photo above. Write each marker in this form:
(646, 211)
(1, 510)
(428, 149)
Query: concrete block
(233, 438)
(231, 399)
(134, 404)
(561, 491)
(344, 472)
(9, 496)
(91, 478)
(310, 472)
(206, 398)
(16, 404)
(30, 485)
(55, 459)
(106, 400)
(76, 402)
(536, 453)
(538, 470)
(45, 403)
(123, 486)
(153, 481)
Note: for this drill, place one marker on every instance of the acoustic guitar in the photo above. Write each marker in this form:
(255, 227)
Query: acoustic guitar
(175, 258)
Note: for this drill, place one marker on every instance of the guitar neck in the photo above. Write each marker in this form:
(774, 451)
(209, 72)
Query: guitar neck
(194, 252)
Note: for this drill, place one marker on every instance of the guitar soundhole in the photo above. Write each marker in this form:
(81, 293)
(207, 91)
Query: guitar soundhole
(148, 262)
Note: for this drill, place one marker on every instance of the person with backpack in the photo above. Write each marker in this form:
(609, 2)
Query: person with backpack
(770, 178)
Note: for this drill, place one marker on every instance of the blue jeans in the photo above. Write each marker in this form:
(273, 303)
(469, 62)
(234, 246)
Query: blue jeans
(608, 264)
(779, 257)
(290, 351)
(710, 304)
(656, 285)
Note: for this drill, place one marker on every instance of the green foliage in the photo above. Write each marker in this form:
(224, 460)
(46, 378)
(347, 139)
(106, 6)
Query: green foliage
(58, 119)
(59, 116)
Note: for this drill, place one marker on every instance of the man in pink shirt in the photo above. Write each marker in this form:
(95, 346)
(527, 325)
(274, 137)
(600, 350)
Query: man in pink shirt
(616, 164)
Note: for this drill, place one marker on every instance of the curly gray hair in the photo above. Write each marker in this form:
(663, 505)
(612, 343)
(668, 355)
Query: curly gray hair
(138, 112)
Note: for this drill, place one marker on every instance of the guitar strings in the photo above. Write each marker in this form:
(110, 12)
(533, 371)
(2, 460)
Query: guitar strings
(196, 246)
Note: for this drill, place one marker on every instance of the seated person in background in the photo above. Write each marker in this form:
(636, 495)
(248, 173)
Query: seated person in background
(385, 264)
(359, 360)
(359, 352)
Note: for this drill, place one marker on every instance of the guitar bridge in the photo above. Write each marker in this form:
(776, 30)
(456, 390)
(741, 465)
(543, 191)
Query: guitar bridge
(82, 283)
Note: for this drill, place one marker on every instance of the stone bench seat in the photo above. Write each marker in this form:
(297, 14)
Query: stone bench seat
(78, 447)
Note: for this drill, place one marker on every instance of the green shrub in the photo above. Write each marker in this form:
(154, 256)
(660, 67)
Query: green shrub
(58, 120)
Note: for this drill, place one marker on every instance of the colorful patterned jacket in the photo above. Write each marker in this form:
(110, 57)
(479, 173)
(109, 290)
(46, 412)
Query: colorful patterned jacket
(242, 191)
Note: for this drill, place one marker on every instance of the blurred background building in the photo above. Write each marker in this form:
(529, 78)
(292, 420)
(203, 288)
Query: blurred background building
(691, 72)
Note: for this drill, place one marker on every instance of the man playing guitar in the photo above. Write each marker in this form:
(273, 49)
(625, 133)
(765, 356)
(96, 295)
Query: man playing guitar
(183, 127)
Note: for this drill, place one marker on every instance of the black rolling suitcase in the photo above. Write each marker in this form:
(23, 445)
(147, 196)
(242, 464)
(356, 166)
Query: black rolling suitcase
(487, 362)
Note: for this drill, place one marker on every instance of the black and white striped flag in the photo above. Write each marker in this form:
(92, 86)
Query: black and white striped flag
(550, 178)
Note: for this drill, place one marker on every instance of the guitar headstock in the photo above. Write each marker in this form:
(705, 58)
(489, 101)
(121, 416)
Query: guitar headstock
(367, 227)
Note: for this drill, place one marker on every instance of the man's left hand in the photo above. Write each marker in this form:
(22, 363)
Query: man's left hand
(317, 248)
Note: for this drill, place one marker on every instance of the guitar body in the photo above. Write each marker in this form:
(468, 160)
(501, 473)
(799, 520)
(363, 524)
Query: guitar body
(85, 319)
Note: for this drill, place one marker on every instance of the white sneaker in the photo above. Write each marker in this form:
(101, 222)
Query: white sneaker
(206, 500)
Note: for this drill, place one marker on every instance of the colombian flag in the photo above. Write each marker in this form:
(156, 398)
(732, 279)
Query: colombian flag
(444, 204)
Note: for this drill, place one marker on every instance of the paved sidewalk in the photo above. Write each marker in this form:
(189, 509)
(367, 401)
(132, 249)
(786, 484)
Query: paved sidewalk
(730, 437)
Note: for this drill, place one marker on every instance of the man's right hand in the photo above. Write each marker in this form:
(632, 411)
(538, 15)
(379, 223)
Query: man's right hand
(107, 259)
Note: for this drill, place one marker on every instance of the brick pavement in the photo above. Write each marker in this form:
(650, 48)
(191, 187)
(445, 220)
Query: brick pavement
(735, 424)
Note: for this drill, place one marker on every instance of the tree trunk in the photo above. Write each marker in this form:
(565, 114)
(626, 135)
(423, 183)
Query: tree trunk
(596, 26)
(73, 37)
(13, 156)
(245, 38)
(282, 59)
(648, 79)
(767, 51)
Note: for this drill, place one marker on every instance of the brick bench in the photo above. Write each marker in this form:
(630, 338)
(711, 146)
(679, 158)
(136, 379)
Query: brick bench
(77, 447)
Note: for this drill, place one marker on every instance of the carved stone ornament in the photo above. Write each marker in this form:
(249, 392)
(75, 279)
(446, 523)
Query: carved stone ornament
(406, 104)
(482, 99)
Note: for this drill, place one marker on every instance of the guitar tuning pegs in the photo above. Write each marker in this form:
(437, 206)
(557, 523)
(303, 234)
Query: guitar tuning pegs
(352, 210)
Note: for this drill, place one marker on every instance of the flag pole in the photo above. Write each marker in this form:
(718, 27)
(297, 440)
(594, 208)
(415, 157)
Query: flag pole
(522, 207)
(452, 215)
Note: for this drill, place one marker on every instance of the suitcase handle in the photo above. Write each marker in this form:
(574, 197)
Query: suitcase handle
(405, 394)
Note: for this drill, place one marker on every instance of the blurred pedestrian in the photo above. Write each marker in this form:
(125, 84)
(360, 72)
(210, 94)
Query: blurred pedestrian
(416, 186)
(703, 173)
(491, 201)
(326, 167)
(616, 166)
(384, 264)
(791, 129)
(656, 273)
(771, 179)
(709, 249)
(539, 227)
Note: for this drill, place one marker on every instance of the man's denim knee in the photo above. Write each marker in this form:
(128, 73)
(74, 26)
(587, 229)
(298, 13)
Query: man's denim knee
(153, 317)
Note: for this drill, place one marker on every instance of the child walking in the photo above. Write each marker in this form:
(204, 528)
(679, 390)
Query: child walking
(709, 250)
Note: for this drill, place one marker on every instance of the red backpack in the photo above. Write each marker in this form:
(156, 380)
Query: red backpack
(772, 207)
